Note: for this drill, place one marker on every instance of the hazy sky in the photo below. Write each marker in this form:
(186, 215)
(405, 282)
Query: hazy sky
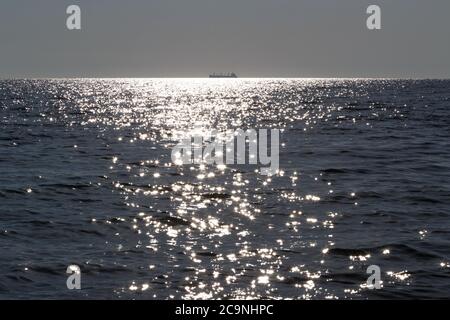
(254, 38)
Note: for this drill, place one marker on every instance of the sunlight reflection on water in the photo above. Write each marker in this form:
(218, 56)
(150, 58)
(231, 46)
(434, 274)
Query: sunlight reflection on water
(208, 231)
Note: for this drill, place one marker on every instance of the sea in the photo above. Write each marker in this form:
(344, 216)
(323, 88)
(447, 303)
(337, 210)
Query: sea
(87, 179)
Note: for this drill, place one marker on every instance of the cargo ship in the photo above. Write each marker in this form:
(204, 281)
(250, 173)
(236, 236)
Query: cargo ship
(223, 75)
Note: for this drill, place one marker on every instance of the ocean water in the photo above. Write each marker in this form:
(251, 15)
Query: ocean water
(86, 178)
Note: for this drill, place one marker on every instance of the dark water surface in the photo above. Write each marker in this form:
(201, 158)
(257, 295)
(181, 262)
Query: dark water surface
(86, 178)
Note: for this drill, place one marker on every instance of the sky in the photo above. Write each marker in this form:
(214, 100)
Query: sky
(254, 38)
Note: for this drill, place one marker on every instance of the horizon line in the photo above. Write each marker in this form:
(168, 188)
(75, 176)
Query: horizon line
(225, 79)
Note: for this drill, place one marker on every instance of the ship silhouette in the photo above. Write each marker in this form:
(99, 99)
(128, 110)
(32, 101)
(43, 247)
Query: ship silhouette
(223, 75)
